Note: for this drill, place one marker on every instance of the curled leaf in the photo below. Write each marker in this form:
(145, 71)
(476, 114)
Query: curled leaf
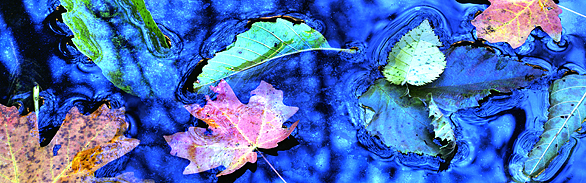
(567, 112)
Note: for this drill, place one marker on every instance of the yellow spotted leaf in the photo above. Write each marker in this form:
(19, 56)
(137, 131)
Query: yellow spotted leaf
(82, 145)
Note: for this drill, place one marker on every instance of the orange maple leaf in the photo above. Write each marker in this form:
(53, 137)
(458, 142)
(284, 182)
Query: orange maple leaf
(237, 129)
(82, 145)
(513, 20)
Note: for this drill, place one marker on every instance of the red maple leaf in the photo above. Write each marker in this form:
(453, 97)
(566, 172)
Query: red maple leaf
(236, 129)
(513, 20)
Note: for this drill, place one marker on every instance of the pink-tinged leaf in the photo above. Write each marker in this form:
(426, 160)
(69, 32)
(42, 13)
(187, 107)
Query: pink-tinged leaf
(236, 129)
(512, 21)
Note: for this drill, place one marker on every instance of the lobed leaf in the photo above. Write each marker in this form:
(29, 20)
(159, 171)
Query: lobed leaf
(82, 145)
(512, 21)
(236, 129)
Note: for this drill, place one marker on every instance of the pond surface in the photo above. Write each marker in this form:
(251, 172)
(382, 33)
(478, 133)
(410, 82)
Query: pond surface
(329, 143)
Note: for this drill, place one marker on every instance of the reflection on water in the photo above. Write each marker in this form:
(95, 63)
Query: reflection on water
(493, 138)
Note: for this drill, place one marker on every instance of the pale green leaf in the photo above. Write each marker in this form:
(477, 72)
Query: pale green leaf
(415, 59)
(443, 128)
(265, 41)
(567, 112)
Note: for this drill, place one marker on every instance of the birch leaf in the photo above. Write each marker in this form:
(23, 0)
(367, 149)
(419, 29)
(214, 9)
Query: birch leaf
(416, 58)
(567, 112)
(236, 129)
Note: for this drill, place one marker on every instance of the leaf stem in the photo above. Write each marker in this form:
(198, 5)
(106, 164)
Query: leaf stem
(263, 157)
(572, 11)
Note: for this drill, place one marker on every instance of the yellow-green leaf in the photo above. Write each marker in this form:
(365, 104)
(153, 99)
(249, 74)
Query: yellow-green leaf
(416, 58)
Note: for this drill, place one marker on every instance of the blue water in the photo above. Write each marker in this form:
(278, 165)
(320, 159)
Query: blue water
(329, 144)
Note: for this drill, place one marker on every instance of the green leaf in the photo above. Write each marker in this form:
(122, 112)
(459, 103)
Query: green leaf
(265, 41)
(401, 122)
(442, 128)
(471, 74)
(121, 38)
(567, 112)
(416, 58)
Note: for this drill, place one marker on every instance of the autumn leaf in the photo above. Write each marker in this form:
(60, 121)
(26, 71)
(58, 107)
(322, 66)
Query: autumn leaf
(512, 21)
(236, 129)
(82, 145)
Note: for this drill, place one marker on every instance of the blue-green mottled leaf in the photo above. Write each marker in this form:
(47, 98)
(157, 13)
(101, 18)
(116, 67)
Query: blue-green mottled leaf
(567, 112)
(469, 76)
(121, 37)
(401, 122)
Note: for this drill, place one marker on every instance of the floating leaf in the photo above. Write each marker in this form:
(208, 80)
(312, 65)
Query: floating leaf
(512, 21)
(236, 129)
(401, 122)
(416, 58)
(470, 75)
(442, 127)
(124, 41)
(265, 41)
(567, 112)
(82, 145)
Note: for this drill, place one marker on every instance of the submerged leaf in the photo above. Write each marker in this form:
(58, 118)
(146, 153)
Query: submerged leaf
(401, 122)
(82, 145)
(121, 38)
(264, 41)
(471, 74)
(512, 21)
(416, 58)
(236, 129)
(567, 112)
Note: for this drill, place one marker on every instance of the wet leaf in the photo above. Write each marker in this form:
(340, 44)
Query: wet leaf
(122, 39)
(567, 112)
(253, 49)
(236, 129)
(512, 21)
(416, 58)
(471, 74)
(401, 122)
(82, 145)
(442, 127)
